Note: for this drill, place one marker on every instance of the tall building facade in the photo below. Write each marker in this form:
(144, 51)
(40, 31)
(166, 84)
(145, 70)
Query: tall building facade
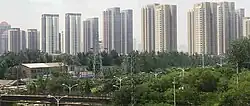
(112, 29)
(49, 40)
(191, 31)
(165, 28)
(32, 39)
(126, 31)
(212, 26)
(202, 28)
(240, 14)
(14, 40)
(246, 27)
(226, 26)
(72, 33)
(61, 42)
(4, 27)
(148, 27)
(23, 40)
(91, 35)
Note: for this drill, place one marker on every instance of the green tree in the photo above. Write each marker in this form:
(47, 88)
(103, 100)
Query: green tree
(239, 52)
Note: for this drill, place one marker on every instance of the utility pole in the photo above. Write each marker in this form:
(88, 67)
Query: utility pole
(132, 79)
(94, 63)
(100, 62)
(221, 61)
(237, 71)
(203, 61)
(174, 92)
(237, 79)
(125, 63)
(17, 77)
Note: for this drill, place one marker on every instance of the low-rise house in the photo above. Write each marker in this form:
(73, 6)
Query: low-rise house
(35, 70)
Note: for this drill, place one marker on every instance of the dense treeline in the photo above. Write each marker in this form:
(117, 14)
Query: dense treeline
(198, 87)
(145, 61)
(225, 85)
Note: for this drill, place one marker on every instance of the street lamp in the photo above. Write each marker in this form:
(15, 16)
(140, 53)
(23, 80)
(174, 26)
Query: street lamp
(57, 99)
(70, 87)
(120, 80)
(183, 71)
(116, 86)
(156, 73)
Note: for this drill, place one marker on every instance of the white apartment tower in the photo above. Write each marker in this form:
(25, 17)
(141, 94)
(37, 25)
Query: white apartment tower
(212, 26)
(165, 28)
(72, 33)
(91, 35)
(49, 40)
(202, 28)
(32, 39)
(148, 27)
(246, 27)
(240, 14)
(61, 42)
(4, 27)
(14, 40)
(23, 40)
(226, 26)
(126, 31)
(112, 29)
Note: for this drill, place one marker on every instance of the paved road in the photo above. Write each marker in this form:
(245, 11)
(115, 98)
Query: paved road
(46, 99)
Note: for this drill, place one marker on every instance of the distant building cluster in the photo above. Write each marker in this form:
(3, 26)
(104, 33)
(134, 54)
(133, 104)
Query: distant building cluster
(212, 26)
(78, 36)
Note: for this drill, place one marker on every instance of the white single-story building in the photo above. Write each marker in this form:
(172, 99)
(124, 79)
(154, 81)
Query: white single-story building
(33, 70)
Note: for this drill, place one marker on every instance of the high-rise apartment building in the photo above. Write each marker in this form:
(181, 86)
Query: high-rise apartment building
(226, 26)
(23, 40)
(202, 28)
(32, 39)
(148, 27)
(112, 29)
(165, 28)
(4, 27)
(72, 33)
(126, 31)
(49, 40)
(60, 42)
(212, 26)
(14, 40)
(246, 27)
(240, 14)
(91, 35)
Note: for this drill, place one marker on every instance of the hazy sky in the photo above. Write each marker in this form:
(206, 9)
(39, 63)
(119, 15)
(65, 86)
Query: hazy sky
(27, 13)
